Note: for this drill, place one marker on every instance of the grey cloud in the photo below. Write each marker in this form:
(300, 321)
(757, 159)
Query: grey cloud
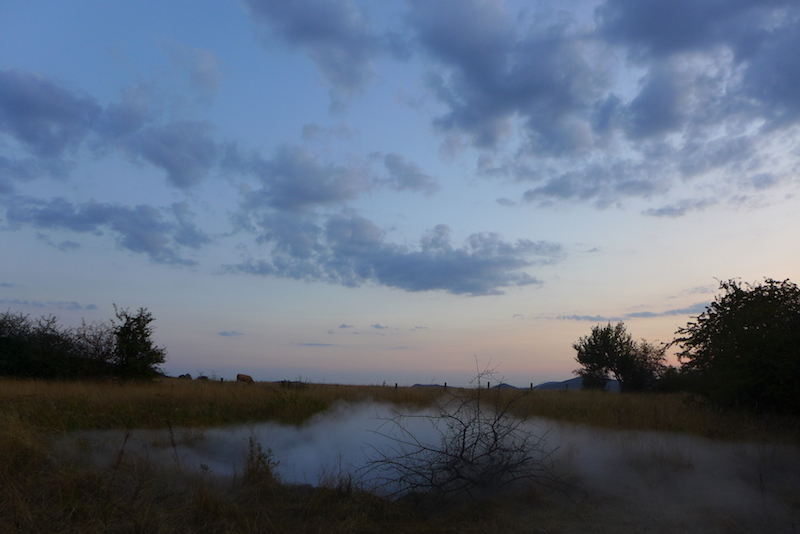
(46, 118)
(345, 325)
(378, 326)
(658, 108)
(602, 183)
(183, 149)
(407, 175)
(693, 310)
(720, 77)
(49, 121)
(773, 74)
(63, 246)
(351, 250)
(680, 209)
(69, 305)
(317, 345)
(592, 318)
(700, 156)
(139, 229)
(763, 35)
(186, 233)
(28, 168)
(295, 180)
(664, 27)
(334, 34)
(131, 113)
(763, 180)
(495, 72)
(230, 333)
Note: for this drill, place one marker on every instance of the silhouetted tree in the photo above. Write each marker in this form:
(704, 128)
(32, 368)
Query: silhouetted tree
(135, 355)
(611, 351)
(744, 349)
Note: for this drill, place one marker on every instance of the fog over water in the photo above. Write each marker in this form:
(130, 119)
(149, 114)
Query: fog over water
(653, 477)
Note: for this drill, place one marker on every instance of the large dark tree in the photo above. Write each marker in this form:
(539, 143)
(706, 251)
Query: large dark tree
(610, 351)
(744, 349)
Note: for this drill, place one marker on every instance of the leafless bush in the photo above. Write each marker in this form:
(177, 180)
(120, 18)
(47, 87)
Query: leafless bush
(478, 449)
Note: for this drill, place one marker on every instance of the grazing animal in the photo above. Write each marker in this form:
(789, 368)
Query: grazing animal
(247, 379)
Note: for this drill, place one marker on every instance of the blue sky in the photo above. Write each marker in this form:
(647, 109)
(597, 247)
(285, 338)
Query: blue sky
(351, 191)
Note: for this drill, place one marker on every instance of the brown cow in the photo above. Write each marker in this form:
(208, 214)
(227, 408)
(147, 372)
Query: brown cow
(244, 378)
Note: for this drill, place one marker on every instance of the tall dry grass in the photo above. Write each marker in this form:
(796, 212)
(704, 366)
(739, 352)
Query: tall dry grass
(41, 491)
(66, 406)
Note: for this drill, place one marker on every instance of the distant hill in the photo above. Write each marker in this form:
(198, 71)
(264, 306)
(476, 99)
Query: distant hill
(503, 385)
(574, 384)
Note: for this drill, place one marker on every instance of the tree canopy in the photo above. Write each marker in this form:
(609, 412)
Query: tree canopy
(744, 349)
(611, 351)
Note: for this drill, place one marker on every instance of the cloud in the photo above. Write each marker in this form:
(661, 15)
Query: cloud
(680, 209)
(351, 250)
(51, 122)
(183, 149)
(63, 246)
(406, 175)
(44, 117)
(296, 180)
(693, 310)
(707, 88)
(604, 184)
(378, 326)
(662, 28)
(335, 36)
(141, 229)
(69, 306)
(345, 325)
(230, 333)
(495, 71)
(317, 345)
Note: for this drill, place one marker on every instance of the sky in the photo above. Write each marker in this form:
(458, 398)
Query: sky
(360, 192)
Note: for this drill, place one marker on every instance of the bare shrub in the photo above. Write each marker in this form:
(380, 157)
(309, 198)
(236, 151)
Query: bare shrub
(478, 449)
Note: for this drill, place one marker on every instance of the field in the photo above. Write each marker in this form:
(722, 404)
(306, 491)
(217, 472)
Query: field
(624, 463)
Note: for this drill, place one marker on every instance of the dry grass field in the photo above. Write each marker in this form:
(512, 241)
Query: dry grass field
(43, 490)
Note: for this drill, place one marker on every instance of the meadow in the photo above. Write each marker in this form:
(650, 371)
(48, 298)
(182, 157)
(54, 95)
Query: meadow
(46, 488)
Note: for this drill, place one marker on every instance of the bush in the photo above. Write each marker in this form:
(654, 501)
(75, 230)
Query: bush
(744, 349)
(477, 450)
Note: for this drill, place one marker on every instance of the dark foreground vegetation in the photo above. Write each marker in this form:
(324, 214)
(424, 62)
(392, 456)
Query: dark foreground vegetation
(41, 348)
(42, 490)
(742, 352)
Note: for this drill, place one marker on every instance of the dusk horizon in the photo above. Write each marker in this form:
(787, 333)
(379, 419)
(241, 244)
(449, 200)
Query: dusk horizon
(345, 192)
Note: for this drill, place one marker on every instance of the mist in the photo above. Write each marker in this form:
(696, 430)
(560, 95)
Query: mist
(660, 480)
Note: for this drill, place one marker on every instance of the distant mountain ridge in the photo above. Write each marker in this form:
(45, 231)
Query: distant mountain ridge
(574, 384)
